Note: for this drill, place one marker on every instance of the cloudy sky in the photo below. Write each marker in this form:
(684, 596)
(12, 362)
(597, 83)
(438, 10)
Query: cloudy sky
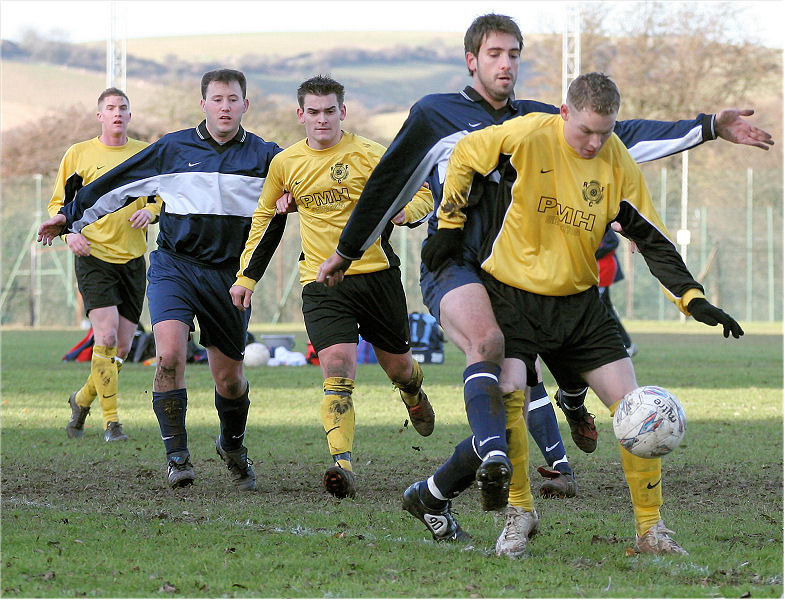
(78, 21)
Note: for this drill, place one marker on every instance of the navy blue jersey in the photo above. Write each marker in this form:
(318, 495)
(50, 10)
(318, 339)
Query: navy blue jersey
(422, 148)
(209, 192)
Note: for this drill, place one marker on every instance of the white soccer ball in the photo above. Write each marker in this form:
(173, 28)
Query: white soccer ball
(649, 422)
(256, 355)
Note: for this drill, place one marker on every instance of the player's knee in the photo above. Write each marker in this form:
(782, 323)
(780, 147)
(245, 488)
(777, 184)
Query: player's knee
(108, 339)
(168, 365)
(491, 345)
(337, 364)
(233, 387)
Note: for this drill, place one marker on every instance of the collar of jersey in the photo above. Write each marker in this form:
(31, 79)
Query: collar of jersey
(201, 131)
(475, 96)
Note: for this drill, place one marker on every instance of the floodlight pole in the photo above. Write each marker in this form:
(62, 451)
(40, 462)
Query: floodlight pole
(116, 47)
(571, 47)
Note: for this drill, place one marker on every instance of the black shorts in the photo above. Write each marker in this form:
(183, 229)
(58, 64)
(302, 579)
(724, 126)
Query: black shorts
(103, 284)
(572, 334)
(371, 304)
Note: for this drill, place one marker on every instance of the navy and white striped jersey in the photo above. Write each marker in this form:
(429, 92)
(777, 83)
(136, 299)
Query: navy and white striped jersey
(422, 148)
(209, 192)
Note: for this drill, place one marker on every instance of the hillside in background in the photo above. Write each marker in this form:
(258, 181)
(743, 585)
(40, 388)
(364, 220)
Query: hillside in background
(384, 72)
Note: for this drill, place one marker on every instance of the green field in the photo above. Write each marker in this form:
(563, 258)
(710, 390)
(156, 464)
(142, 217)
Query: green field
(85, 518)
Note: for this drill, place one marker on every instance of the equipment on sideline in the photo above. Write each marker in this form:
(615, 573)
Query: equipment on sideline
(426, 339)
(649, 422)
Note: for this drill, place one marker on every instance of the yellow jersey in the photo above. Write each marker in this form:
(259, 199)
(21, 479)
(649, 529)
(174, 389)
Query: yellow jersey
(112, 239)
(557, 208)
(325, 185)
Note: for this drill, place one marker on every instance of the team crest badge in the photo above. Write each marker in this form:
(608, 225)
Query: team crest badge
(339, 172)
(592, 192)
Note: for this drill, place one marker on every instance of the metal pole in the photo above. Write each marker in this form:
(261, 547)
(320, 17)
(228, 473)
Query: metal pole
(571, 47)
(704, 233)
(684, 232)
(34, 249)
(404, 254)
(116, 47)
(749, 244)
(663, 216)
(770, 236)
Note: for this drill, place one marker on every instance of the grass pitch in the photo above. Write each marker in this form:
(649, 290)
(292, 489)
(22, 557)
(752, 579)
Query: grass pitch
(86, 518)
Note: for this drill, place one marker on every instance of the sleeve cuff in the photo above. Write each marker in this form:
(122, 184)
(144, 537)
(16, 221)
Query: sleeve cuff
(688, 297)
(246, 282)
(707, 122)
(348, 253)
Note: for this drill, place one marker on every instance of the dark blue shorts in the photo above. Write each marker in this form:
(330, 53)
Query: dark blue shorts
(434, 285)
(179, 290)
(448, 277)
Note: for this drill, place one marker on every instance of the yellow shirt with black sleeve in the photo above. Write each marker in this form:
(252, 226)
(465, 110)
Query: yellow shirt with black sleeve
(325, 185)
(112, 239)
(552, 217)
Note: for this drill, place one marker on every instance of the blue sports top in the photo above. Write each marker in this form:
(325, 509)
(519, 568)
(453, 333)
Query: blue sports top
(422, 148)
(209, 192)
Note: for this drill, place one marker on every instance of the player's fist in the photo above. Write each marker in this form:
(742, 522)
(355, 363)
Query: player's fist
(241, 297)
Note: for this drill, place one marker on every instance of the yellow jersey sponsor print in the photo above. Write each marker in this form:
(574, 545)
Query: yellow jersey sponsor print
(325, 185)
(559, 204)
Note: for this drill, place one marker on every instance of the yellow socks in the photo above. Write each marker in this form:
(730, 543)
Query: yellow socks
(644, 478)
(103, 372)
(337, 413)
(518, 451)
(410, 391)
(87, 393)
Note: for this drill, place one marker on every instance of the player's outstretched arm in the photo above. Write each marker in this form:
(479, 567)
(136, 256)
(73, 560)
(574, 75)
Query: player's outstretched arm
(241, 297)
(51, 229)
(702, 311)
(729, 125)
(332, 270)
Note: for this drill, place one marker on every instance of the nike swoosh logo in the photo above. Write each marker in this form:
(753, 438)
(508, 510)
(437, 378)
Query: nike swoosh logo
(475, 124)
(651, 487)
(109, 396)
(99, 168)
(545, 170)
(194, 164)
(298, 182)
(168, 437)
(549, 448)
(488, 439)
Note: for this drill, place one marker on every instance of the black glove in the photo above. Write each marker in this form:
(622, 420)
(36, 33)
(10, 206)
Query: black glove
(707, 313)
(441, 245)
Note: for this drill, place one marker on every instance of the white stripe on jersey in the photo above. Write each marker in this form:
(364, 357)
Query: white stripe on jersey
(183, 194)
(654, 149)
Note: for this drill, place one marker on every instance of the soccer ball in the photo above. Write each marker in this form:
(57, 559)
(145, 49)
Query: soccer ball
(256, 355)
(649, 422)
